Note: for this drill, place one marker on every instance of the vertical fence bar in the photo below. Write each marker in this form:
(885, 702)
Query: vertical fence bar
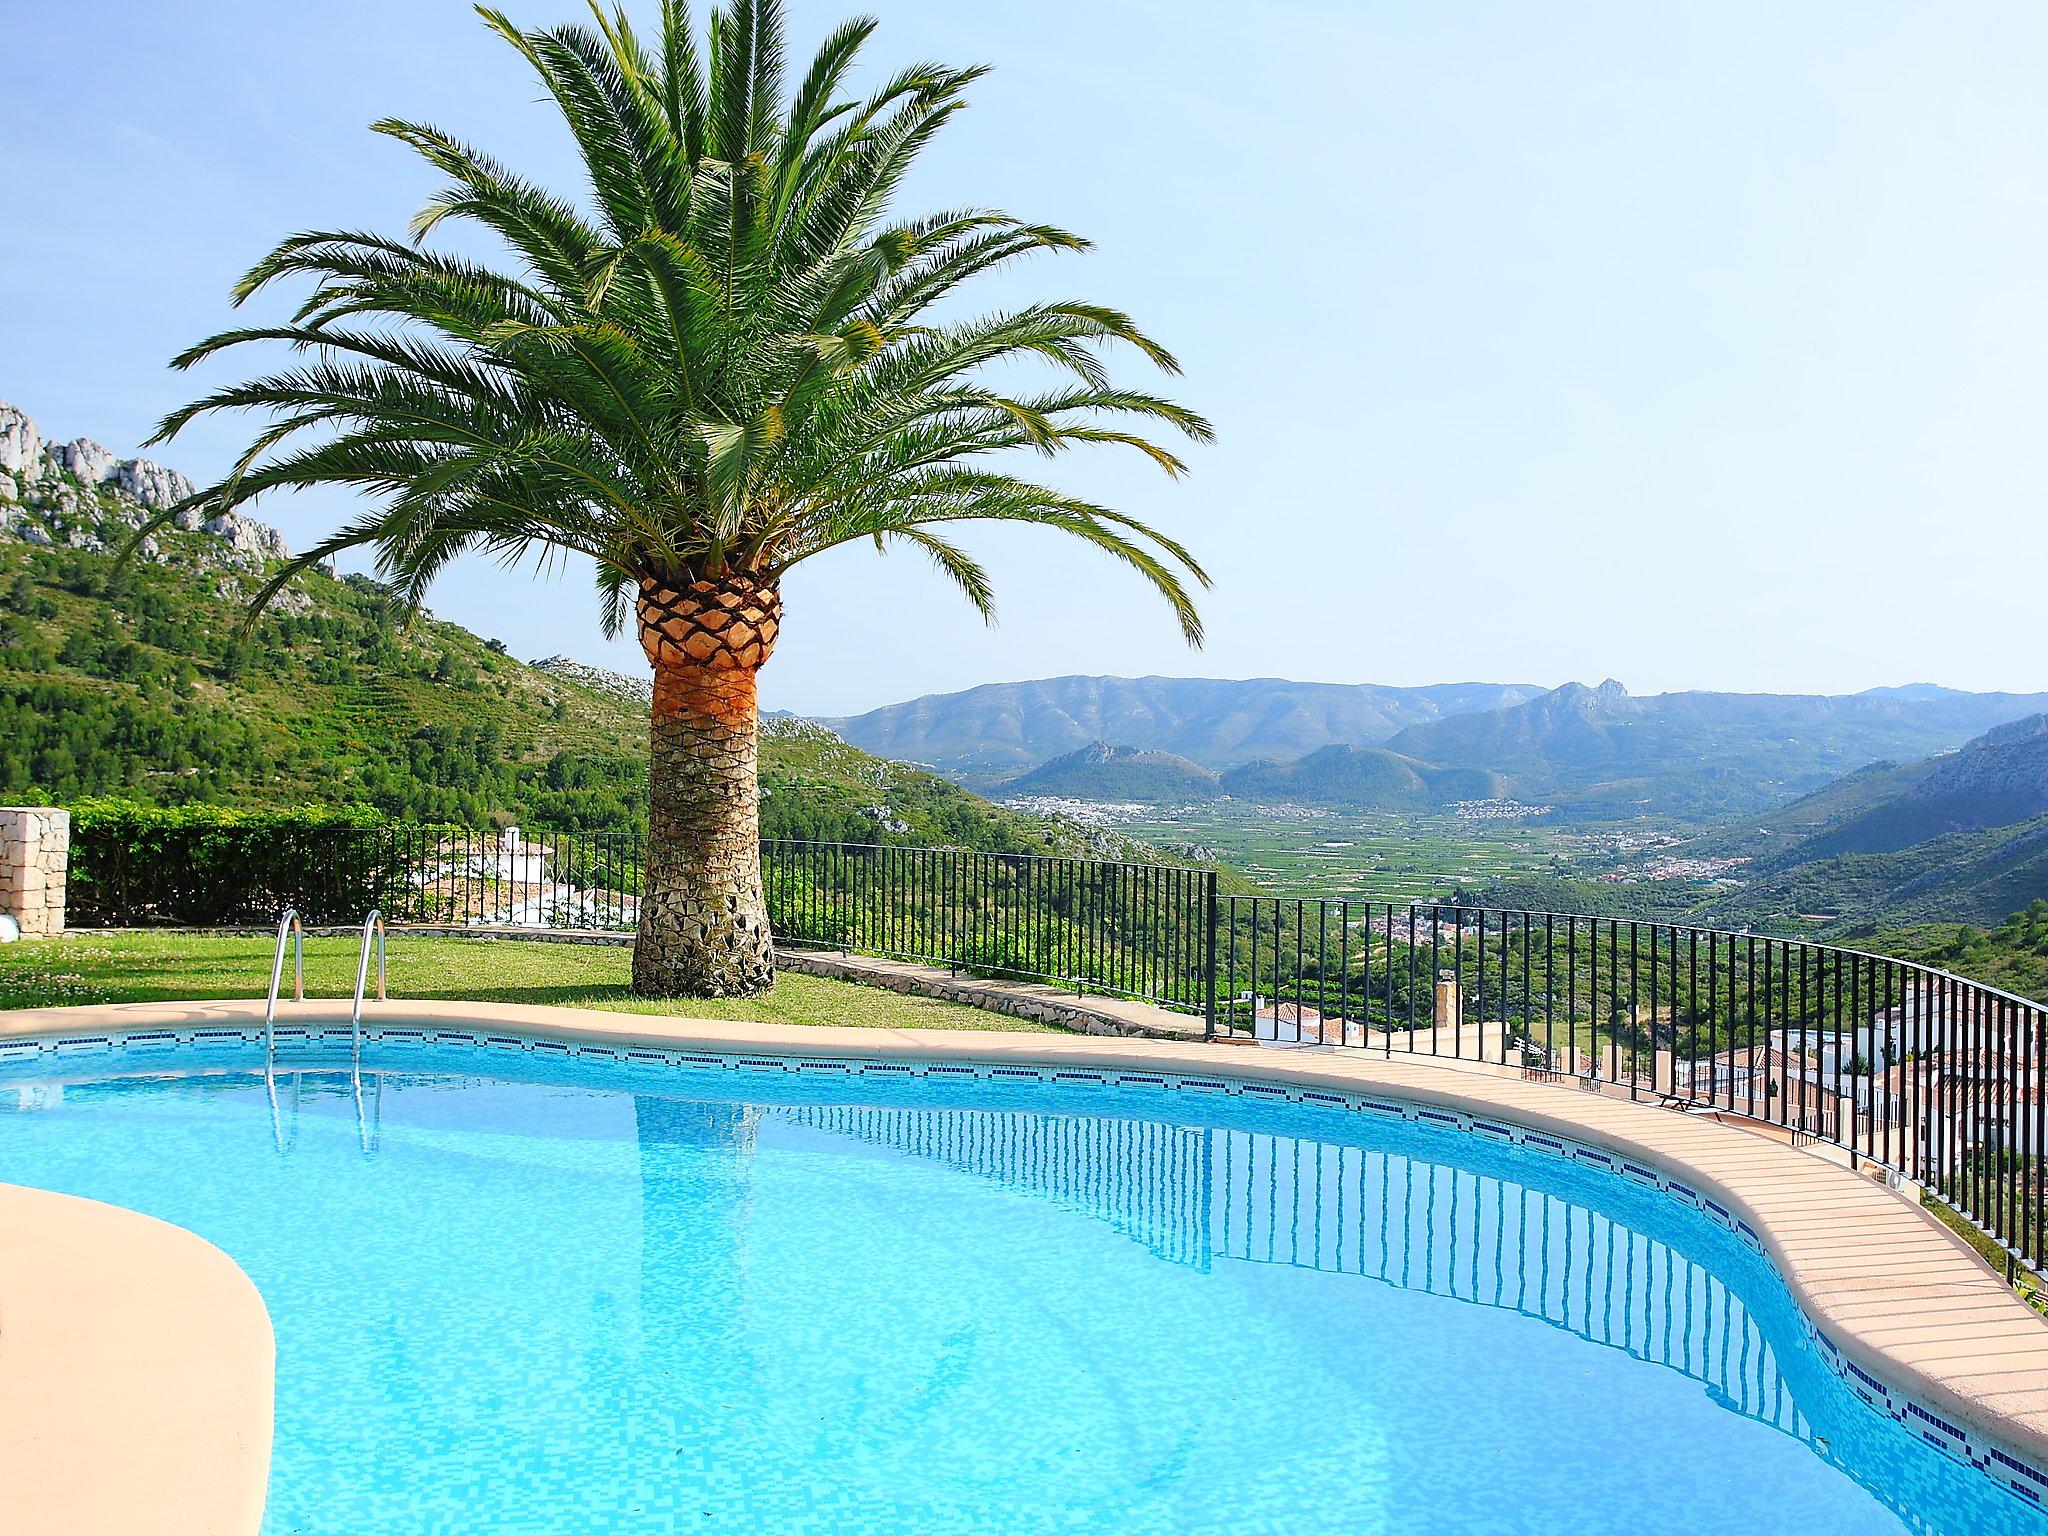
(1571, 982)
(1209, 957)
(2038, 1064)
(1230, 934)
(1411, 980)
(1847, 1012)
(1635, 1016)
(1918, 1053)
(1344, 975)
(1503, 989)
(1549, 991)
(1458, 1047)
(1614, 999)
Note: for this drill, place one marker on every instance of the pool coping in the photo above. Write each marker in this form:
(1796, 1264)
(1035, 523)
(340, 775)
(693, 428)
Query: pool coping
(1900, 1305)
(118, 1397)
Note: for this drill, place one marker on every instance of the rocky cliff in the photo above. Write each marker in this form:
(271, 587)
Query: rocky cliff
(79, 495)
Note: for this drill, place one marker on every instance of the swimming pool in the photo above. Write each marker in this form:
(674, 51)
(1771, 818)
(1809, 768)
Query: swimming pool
(515, 1292)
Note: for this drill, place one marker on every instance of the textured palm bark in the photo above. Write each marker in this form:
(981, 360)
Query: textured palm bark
(703, 929)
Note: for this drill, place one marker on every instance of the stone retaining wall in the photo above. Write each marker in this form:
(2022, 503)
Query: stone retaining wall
(35, 855)
(1017, 1000)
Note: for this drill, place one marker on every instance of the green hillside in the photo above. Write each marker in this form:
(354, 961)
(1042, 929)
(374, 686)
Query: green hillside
(1361, 778)
(1102, 772)
(2012, 955)
(135, 680)
(1961, 837)
(1775, 834)
(1969, 877)
(1341, 777)
(1998, 780)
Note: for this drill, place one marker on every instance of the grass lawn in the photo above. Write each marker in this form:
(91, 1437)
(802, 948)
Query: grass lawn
(130, 967)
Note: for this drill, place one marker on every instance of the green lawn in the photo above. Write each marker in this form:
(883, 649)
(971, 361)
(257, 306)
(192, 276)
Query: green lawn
(175, 967)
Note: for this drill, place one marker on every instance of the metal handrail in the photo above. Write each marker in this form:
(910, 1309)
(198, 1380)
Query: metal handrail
(373, 925)
(288, 926)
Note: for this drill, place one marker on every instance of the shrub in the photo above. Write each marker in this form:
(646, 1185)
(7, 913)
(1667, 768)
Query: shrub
(211, 865)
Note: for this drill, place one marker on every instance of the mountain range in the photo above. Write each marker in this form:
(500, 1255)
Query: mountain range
(1101, 772)
(998, 730)
(1591, 753)
(1961, 836)
(1341, 776)
(1604, 753)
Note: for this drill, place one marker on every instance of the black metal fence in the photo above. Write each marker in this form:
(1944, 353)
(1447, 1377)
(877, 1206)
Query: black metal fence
(1939, 1079)
(245, 876)
(1139, 931)
(1909, 1069)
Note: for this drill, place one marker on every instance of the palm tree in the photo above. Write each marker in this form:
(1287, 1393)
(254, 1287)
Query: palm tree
(730, 361)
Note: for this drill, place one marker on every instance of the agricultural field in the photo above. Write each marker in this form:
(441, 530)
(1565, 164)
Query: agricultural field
(1299, 850)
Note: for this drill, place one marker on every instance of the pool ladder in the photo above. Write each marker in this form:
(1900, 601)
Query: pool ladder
(373, 927)
(291, 930)
(288, 927)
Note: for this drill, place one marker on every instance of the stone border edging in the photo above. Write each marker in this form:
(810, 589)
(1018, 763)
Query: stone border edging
(1034, 1001)
(1894, 1295)
(136, 1370)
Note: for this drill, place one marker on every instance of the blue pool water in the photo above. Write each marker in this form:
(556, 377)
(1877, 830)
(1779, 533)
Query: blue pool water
(515, 1293)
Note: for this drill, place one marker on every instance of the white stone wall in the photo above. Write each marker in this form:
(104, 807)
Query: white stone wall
(35, 854)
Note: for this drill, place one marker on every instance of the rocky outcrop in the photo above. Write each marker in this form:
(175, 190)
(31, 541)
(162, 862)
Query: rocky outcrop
(250, 539)
(21, 446)
(635, 690)
(80, 496)
(781, 727)
(85, 461)
(151, 485)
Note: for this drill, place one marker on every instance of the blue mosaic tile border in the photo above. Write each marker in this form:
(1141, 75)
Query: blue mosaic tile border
(1953, 1440)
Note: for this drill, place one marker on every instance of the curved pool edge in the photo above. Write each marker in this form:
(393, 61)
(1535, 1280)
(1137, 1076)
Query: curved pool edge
(136, 1371)
(1902, 1308)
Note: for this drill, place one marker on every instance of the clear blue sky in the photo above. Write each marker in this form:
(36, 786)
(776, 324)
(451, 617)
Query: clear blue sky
(1697, 345)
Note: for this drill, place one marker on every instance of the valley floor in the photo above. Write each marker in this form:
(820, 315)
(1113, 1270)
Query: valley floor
(1321, 851)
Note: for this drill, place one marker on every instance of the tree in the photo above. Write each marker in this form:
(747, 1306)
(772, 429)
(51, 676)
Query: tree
(734, 359)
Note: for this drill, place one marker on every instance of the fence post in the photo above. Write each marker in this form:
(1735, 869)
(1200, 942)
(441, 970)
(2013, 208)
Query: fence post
(1449, 1011)
(1209, 955)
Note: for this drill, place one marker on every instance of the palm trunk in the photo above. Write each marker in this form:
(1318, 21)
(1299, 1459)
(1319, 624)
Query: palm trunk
(703, 921)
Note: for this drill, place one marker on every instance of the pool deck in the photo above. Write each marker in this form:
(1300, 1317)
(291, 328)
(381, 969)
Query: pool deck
(1896, 1292)
(135, 1375)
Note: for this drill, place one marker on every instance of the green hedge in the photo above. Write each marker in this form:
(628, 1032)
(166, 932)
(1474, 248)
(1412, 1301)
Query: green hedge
(210, 865)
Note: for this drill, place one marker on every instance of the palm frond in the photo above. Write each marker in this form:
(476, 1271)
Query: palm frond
(727, 352)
